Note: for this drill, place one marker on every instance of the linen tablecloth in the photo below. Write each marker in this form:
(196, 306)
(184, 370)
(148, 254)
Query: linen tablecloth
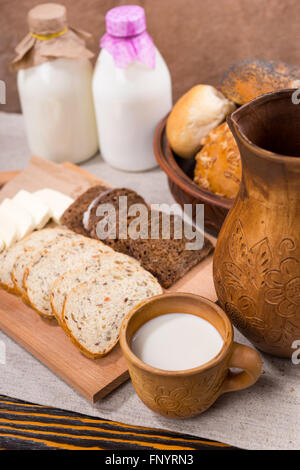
(265, 416)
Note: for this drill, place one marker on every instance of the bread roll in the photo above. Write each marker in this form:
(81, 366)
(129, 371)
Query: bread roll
(218, 164)
(249, 78)
(194, 115)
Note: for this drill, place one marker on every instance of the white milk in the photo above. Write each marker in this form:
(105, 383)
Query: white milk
(177, 341)
(57, 103)
(129, 104)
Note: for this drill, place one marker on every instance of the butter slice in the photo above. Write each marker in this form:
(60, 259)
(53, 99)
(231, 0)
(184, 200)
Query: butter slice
(8, 228)
(23, 219)
(38, 210)
(57, 202)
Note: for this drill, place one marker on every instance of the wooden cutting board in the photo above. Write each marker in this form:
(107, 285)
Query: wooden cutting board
(46, 340)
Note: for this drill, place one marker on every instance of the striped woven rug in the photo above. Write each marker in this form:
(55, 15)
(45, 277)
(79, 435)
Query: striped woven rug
(27, 426)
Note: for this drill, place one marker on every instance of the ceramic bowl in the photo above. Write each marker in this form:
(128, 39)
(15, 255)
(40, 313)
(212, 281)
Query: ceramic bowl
(180, 173)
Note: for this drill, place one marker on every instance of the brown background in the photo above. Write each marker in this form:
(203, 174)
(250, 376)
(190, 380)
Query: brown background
(198, 38)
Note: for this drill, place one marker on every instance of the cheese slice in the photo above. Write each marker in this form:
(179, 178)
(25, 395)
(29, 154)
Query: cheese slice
(38, 209)
(2, 245)
(8, 228)
(57, 202)
(23, 218)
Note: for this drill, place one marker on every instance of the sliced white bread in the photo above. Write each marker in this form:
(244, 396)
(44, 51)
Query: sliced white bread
(7, 260)
(34, 241)
(94, 311)
(51, 263)
(17, 262)
(115, 263)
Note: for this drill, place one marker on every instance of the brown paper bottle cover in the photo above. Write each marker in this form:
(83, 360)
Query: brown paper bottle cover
(49, 38)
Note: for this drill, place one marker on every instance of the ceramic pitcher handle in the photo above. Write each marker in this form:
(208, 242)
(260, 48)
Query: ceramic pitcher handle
(247, 359)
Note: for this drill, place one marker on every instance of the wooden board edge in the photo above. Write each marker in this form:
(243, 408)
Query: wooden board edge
(85, 174)
(35, 353)
(6, 176)
(111, 387)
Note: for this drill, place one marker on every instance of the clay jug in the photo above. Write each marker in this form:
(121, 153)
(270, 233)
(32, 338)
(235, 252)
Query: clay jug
(257, 257)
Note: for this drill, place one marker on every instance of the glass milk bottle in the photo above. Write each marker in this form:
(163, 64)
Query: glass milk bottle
(55, 87)
(132, 90)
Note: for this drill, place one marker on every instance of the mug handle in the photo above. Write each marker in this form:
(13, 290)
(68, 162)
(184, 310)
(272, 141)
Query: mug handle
(245, 358)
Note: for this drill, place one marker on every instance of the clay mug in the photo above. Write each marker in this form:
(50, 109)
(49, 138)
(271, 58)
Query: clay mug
(186, 393)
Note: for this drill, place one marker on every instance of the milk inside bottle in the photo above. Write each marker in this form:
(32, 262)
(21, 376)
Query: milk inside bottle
(131, 89)
(55, 87)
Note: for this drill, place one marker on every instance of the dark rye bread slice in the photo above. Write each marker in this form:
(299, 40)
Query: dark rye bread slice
(113, 238)
(168, 259)
(73, 216)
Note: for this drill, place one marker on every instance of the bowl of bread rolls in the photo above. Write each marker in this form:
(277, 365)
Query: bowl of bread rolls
(194, 145)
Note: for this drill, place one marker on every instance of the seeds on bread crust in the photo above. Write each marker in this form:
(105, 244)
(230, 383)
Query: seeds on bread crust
(118, 264)
(94, 311)
(48, 265)
(30, 247)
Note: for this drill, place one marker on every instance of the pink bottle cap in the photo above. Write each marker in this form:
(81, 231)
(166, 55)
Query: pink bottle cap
(125, 21)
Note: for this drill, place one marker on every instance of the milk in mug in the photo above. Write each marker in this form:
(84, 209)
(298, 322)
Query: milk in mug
(177, 341)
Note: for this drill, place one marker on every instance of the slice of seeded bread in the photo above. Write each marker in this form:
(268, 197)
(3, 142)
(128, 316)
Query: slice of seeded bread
(51, 263)
(73, 216)
(112, 196)
(32, 245)
(94, 311)
(7, 260)
(114, 263)
(167, 258)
